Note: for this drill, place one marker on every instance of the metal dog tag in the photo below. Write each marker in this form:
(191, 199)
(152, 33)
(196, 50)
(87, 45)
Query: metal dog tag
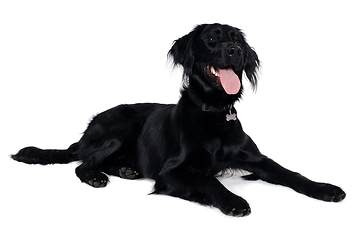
(230, 117)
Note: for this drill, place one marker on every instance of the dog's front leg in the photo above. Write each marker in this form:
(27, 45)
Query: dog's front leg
(268, 170)
(201, 189)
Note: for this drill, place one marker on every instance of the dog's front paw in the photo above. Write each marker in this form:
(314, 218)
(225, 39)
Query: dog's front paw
(234, 206)
(328, 193)
(239, 212)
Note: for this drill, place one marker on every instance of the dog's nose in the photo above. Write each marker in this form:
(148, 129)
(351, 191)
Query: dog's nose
(233, 50)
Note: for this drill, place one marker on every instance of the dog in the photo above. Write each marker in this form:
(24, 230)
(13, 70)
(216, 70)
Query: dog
(184, 147)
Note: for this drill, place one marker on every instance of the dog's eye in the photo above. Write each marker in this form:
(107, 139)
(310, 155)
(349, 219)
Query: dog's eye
(237, 41)
(211, 39)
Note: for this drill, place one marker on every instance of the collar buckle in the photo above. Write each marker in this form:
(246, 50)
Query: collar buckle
(205, 107)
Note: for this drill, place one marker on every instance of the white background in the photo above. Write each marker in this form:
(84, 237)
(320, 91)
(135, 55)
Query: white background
(61, 62)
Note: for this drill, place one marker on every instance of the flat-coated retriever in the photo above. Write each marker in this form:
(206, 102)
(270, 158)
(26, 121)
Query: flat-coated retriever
(185, 146)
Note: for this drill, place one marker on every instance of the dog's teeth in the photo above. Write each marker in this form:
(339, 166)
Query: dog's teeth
(212, 69)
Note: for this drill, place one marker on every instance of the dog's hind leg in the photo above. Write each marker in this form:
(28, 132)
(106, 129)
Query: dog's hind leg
(90, 170)
(120, 166)
(121, 171)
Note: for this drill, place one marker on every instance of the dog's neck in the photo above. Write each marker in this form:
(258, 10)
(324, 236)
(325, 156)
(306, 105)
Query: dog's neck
(206, 107)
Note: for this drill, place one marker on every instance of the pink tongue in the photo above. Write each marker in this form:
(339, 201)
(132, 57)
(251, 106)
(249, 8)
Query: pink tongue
(229, 81)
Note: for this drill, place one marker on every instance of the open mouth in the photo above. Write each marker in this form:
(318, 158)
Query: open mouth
(211, 71)
(226, 77)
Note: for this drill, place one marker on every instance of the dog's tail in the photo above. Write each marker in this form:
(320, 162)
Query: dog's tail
(33, 155)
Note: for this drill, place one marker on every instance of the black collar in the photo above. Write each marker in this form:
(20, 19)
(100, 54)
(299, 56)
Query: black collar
(207, 107)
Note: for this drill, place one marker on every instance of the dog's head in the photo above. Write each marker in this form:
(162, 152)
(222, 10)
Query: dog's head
(214, 57)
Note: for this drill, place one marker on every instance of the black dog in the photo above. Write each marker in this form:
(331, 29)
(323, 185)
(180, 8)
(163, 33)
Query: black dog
(183, 147)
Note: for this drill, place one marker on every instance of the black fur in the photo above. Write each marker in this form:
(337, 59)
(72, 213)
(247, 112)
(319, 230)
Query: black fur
(183, 147)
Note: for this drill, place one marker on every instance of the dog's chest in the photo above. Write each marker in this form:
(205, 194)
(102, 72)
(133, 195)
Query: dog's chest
(215, 153)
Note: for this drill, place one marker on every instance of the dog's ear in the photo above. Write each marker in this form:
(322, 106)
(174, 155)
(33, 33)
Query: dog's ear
(182, 53)
(251, 62)
(251, 65)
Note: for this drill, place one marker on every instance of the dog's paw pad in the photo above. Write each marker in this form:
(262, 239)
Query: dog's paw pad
(239, 212)
(128, 173)
(98, 183)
